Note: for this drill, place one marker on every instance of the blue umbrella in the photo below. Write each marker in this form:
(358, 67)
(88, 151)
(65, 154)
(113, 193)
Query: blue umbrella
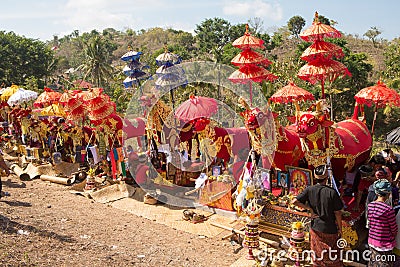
(131, 55)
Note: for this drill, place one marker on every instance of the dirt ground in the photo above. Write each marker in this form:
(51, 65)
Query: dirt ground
(43, 224)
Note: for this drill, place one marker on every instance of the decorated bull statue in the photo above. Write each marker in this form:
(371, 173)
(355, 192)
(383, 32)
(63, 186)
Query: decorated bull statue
(278, 146)
(347, 143)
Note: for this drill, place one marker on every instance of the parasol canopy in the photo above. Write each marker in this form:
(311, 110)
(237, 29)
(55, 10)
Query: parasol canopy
(196, 107)
(322, 69)
(248, 41)
(291, 93)
(168, 59)
(53, 110)
(251, 72)
(131, 55)
(8, 92)
(318, 31)
(249, 56)
(322, 49)
(22, 96)
(47, 98)
(380, 95)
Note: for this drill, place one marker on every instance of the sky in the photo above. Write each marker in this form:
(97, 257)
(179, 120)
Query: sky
(43, 19)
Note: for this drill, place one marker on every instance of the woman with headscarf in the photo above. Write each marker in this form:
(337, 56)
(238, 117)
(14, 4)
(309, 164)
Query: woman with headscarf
(382, 226)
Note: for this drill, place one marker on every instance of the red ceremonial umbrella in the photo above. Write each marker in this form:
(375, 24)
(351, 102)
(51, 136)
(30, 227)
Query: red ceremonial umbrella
(251, 72)
(380, 95)
(318, 30)
(322, 69)
(196, 107)
(291, 93)
(248, 41)
(249, 56)
(248, 62)
(47, 98)
(322, 49)
(71, 100)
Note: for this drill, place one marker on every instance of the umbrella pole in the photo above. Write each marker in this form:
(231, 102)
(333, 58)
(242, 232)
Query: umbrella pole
(373, 122)
(251, 94)
(322, 89)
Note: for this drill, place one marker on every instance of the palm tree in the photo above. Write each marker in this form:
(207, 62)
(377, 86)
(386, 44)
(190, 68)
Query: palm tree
(96, 67)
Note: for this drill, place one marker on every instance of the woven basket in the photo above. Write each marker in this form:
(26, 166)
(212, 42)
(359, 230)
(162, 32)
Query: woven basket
(149, 200)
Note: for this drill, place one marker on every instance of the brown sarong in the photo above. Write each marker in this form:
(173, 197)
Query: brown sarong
(326, 251)
(381, 258)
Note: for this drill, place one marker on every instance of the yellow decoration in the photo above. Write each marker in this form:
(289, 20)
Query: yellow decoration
(54, 110)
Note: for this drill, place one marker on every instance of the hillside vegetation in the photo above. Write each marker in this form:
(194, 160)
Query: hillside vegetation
(95, 57)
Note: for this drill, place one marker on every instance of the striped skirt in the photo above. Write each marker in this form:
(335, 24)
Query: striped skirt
(324, 246)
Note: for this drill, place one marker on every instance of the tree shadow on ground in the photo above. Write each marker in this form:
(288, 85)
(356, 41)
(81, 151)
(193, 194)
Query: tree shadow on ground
(17, 203)
(8, 226)
(12, 184)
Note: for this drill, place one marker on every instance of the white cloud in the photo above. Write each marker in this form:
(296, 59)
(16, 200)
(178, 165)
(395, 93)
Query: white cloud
(87, 15)
(253, 8)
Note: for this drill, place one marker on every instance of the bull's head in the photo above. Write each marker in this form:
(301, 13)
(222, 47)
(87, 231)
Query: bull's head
(309, 123)
(253, 118)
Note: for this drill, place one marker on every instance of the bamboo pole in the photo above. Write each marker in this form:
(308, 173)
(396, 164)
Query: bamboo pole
(20, 172)
(58, 180)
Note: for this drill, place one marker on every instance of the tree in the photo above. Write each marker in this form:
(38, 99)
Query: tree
(392, 59)
(23, 58)
(324, 20)
(372, 33)
(296, 24)
(96, 68)
(212, 35)
(256, 24)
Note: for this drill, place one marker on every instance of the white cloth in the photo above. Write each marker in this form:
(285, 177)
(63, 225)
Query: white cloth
(96, 158)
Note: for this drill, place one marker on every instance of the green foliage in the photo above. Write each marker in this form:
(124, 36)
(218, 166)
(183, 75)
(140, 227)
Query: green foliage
(392, 59)
(324, 20)
(212, 35)
(97, 67)
(23, 58)
(296, 24)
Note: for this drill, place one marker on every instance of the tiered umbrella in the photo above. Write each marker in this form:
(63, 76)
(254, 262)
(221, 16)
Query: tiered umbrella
(379, 95)
(170, 74)
(47, 98)
(22, 96)
(321, 66)
(134, 70)
(249, 62)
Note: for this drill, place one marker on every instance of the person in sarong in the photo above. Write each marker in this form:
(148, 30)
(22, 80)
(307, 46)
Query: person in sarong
(382, 226)
(326, 207)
